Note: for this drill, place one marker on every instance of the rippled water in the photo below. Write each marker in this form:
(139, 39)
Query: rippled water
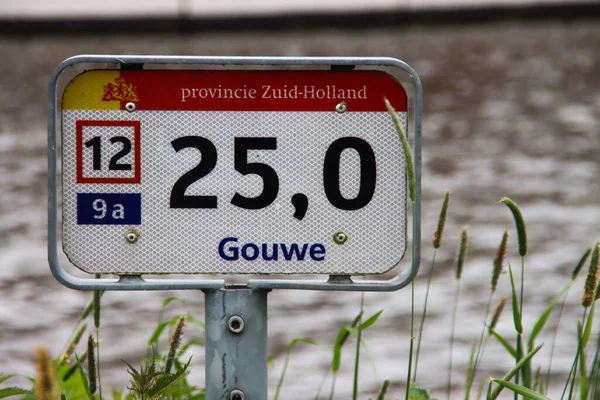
(510, 109)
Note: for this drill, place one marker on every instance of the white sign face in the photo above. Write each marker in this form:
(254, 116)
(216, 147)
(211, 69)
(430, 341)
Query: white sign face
(233, 172)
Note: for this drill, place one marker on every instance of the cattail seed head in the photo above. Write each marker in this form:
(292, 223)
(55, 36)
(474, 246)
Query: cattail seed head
(597, 291)
(437, 236)
(91, 364)
(462, 252)
(580, 264)
(66, 355)
(410, 170)
(519, 223)
(175, 343)
(591, 280)
(497, 314)
(499, 260)
(45, 387)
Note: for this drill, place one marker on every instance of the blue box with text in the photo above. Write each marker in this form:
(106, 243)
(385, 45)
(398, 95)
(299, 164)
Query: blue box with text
(109, 208)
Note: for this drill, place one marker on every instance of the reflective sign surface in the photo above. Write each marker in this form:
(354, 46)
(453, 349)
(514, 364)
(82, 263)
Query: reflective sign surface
(262, 172)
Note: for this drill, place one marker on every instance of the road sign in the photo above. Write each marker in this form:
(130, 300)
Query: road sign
(233, 172)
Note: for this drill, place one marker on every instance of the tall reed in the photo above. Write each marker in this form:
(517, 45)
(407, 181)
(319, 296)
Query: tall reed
(460, 261)
(498, 266)
(437, 242)
(522, 245)
(357, 351)
(408, 159)
(588, 299)
(574, 274)
(411, 176)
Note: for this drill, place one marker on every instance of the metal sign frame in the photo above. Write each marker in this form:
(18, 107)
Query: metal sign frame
(137, 282)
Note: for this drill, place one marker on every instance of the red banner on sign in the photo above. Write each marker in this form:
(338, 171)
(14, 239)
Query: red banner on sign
(257, 90)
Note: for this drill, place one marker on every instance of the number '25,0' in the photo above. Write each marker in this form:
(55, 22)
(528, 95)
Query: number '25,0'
(331, 173)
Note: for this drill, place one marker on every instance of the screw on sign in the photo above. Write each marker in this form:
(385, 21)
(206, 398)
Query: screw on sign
(236, 324)
(340, 237)
(130, 107)
(132, 236)
(237, 394)
(341, 107)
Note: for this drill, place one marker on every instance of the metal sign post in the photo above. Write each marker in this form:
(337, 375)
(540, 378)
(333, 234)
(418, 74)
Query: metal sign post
(232, 166)
(236, 344)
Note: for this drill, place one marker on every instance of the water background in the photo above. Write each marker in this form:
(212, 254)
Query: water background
(511, 109)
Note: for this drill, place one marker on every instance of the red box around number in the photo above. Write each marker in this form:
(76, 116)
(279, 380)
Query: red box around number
(108, 152)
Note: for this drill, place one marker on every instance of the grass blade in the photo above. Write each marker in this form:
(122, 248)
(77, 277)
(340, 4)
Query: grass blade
(4, 377)
(539, 381)
(384, 389)
(301, 340)
(588, 328)
(337, 348)
(511, 350)
(357, 353)
(580, 264)
(510, 374)
(287, 361)
(369, 322)
(585, 337)
(169, 300)
(195, 321)
(83, 375)
(526, 370)
(160, 328)
(595, 373)
(470, 372)
(188, 344)
(540, 323)
(14, 391)
(528, 393)
(452, 330)
(410, 170)
(515, 304)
